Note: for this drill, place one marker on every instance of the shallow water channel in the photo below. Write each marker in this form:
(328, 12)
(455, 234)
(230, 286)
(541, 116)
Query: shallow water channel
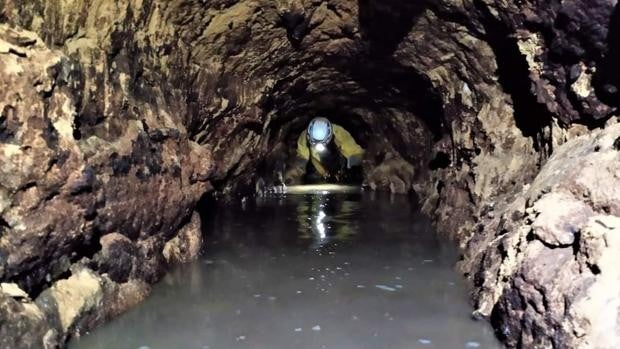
(342, 271)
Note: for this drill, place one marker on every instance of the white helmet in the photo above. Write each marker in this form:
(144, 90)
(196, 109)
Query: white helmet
(320, 131)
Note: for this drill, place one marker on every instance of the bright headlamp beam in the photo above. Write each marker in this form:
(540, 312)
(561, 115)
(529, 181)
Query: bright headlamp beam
(319, 147)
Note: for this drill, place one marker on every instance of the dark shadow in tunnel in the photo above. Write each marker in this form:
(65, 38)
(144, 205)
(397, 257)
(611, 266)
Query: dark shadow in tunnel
(384, 23)
(207, 208)
(4, 225)
(530, 115)
(297, 24)
(392, 84)
(607, 78)
(302, 106)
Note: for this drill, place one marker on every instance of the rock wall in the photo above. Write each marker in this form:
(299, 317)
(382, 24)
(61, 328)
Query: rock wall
(118, 116)
(108, 205)
(547, 275)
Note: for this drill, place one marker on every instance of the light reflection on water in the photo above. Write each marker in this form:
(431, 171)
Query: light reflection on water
(308, 271)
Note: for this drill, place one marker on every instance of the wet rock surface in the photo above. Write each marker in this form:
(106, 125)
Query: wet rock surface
(116, 117)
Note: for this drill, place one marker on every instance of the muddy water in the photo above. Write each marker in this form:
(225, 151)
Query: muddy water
(348, 271)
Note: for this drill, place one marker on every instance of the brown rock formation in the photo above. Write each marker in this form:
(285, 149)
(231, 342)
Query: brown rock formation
(116, 117)
(63, 197)
(545, 269)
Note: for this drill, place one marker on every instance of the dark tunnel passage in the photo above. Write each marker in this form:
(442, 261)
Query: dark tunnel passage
(389, 109)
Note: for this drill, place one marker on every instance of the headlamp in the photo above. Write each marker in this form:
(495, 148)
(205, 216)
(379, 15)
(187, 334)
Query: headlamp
(320, 147)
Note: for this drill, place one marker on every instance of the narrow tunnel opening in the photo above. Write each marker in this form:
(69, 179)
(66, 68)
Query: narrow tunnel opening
(392, 111)
(297, 160)
(336, 160)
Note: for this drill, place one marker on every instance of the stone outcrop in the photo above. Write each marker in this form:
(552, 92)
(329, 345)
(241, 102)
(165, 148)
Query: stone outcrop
(117, 116)
(392, 174)
(24, 325)
(545, 265)
(64, 197)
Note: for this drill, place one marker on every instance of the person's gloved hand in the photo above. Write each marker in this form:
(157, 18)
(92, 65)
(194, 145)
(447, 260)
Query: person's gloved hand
(354, 160)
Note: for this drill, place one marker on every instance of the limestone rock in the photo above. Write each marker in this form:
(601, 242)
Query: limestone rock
(144, 180)
(118, 257)
(545, 275)
(13, 290)
(67, 186)
(24, 325)
(79, 294)
(559, 218)
(597, 307)
(394, 175)
(86, 299)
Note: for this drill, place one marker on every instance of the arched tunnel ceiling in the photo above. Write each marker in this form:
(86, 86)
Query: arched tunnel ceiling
(227, 60)
(462, 101)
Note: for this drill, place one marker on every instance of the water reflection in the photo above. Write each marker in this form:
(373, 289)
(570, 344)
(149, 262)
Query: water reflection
(323, 218)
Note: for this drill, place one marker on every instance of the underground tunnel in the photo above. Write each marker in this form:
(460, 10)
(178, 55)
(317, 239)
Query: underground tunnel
(148, 198)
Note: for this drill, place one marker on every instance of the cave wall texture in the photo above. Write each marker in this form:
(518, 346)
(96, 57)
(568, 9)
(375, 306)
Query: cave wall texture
(118, 116)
